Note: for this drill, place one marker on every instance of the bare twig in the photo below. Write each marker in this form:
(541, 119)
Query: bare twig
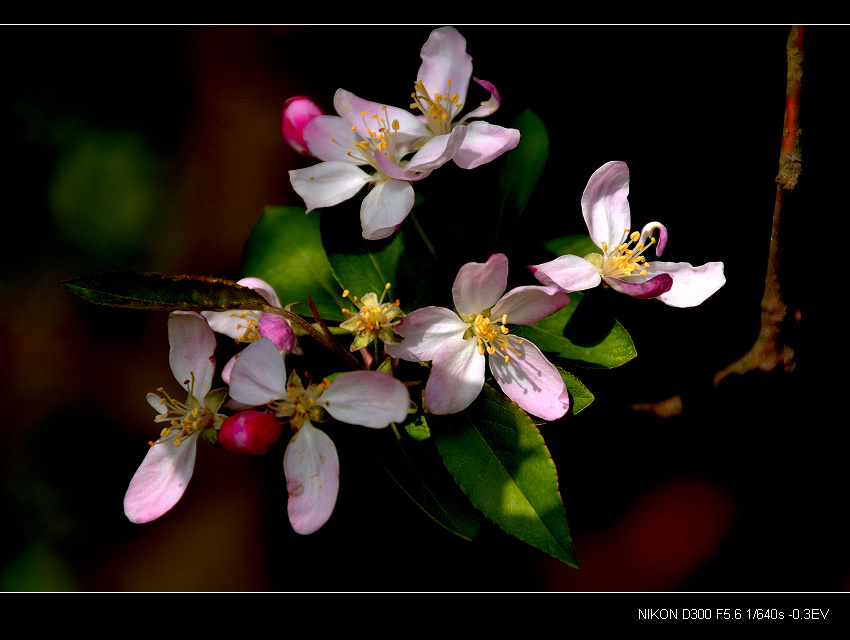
(771, 349)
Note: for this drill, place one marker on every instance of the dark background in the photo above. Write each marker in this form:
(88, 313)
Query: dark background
(158, 147)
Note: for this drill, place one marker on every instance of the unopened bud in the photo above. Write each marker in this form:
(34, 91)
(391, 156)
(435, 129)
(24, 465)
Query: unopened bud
(251, 432)
(297, 112)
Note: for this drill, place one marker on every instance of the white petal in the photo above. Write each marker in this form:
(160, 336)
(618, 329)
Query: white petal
(424, 332)
(530, 304)
(483, 143)
(311, 466)
(192, 351)
(457, 377)
(386, 207)
(327, 183)
(258, 375)
(691, 285)
(161, 480)
(444, 60)
(569, 272)
(478, 286)
(605, 204)
(531, 381)
(367, 398)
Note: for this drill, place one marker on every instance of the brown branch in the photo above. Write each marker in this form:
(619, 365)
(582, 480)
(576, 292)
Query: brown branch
(771, 349)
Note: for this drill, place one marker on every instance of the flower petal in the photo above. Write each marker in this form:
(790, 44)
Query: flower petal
(424, 332)
(368, 398)
(330, 138)
(192, 351)
(258, 376)
(479, 285)
(531, 381)
(311, 466)
(391, 169)
(278, 331)
(386, 207)
(489, 106)
(484, 142)
(327, 183)
(457, 377)
(437, 151)
(161, 480)
(651, 287)
(605, 204)
(530, 304)
(263, 288)
(351, 109)
(444, 61)
(569, 272)
(691, 285)
(297, 112)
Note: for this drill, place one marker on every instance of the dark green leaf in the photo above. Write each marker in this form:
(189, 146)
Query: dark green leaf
(419, 470)
(285, 249)
(499, 459)
(580, 396)
(523, 165)
(579, 336)
(137, 290)
(578, 245)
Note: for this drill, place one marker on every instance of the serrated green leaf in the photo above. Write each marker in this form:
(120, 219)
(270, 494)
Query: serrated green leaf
(359, 265)
(285, 249)
(580, 396)
(498, 457)
(137, 290)
(595, 343)
(419, 471)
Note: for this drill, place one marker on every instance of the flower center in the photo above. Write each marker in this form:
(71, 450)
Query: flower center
(624, 260)
(300, 403)
(185, 419)
(378, 137)
(439, 109)
(374, 319)
(251, 327)
(493, 336)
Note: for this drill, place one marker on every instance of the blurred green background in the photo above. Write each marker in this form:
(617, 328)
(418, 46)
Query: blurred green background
(157, 148)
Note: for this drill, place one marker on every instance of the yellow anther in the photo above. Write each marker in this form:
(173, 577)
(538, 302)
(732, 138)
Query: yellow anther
(635, 236)
(345, 293)
(507, 358)
(504, 318)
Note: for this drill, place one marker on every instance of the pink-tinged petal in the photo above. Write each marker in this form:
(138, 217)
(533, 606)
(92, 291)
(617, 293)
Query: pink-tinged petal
(489, 106)
(155, 401)
(368, 398)
(161, 480)
(444, 60)
(386, 207)
(484, 142)
(249, 432)
(192, 353)
(569, 272)
(424, 332)
(457, 377)
(351, 109)
(531, 381)
(691, 285)
(311, 466)
(258, 376)
(647, 232)
(651, 287)
(278, 331)
(391, 169)
(530, 304)
(297, 112)
(437, 151)
(263, 288)
(479, 285)
(330, 138)
(230, 323)
(327, 183)
(605, 204)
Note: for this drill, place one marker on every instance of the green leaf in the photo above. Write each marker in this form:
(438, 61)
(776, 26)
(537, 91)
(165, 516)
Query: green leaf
(499, 459)
(523, 165)
(419, 471)
(136, 290)
(580, 396)
(580, 336)
(359, 265)
(285, 249)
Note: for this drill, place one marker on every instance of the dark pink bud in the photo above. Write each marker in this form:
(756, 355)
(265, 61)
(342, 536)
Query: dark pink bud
(251, 432)
(297, 112)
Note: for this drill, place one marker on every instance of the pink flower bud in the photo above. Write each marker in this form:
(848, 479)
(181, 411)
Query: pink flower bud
(251, 432)
(297, 112)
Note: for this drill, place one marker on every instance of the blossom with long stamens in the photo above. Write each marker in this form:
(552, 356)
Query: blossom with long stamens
(371, 135)
(440, 93)
(311, 463)
(161, 480)
(456, 343)
(623, 265)
(374, 319)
